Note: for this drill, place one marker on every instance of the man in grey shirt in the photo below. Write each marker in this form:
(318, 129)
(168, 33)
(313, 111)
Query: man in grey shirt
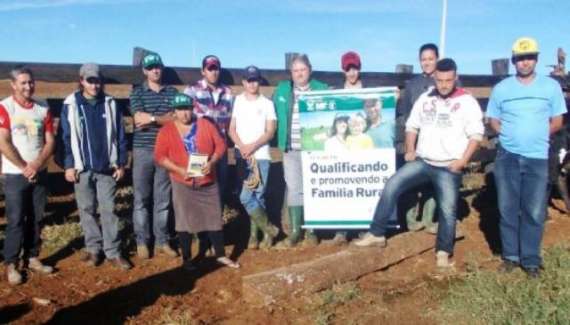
(428, 55)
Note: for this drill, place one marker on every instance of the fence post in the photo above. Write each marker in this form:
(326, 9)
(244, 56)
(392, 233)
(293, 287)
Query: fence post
(289, 56)
(500, 67)
(404, 68)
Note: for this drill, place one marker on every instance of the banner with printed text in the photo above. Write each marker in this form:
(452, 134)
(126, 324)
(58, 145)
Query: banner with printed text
(348, 154)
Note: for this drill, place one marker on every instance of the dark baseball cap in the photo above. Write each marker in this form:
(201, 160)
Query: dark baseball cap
(151, 60)
(211, 61)
(251, 73)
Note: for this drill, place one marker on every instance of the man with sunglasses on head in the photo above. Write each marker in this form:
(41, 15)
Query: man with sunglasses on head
(524, 110)
(151, 109)
(95, 156)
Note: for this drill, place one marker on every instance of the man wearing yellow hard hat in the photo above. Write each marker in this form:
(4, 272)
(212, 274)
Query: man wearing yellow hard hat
(524, 110)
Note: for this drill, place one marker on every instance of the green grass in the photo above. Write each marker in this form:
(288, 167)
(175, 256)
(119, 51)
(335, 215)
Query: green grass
(175, 317)
(488, 297)
(314, 138)
(327, 301)
(56, 237)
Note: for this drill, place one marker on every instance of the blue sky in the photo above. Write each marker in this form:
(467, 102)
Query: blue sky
(385, 33)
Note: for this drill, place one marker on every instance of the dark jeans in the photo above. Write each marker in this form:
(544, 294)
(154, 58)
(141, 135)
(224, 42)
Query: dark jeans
(222, 176)
(446, 185)
(25, 204)
(521, 188)
(152, 193)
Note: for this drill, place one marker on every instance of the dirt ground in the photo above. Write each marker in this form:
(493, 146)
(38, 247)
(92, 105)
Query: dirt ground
(156, 291)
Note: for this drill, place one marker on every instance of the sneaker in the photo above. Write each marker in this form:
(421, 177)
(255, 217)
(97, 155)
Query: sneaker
(227, 262)
(35, 264)
(442, 259)
(91, 259)
(121, 263)
(142, 252)
(370, 240)
(167, 250)
(507, 266)
(532, 272)
(13, 275)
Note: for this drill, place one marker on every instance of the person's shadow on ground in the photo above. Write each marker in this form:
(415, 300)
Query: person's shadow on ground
(11, 313)
(486, 203)
(117, 305)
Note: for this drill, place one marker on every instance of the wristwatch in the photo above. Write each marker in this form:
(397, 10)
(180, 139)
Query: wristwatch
(153, 119)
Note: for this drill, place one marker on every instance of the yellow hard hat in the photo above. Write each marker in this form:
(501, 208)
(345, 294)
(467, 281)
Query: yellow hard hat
(525, 46)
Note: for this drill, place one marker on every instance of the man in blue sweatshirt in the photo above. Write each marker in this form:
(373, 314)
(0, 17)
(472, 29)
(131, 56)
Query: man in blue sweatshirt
(95, 155)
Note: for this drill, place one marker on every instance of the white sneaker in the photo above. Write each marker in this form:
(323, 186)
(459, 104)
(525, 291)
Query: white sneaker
(442, 259)
(370, 240)
(35, 264)
(14, 277)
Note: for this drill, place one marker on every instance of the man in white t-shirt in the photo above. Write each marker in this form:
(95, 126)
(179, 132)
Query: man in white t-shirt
(251, 127)
(26, 143)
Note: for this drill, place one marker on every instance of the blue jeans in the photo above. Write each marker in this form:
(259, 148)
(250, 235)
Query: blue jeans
(253, 199)
(521, 188)
(25, 203)
(152, 193)
(98, 190)
(446, 185)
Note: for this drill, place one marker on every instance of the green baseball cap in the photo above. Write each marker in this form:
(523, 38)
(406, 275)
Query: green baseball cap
(151, 59)
(181, 101)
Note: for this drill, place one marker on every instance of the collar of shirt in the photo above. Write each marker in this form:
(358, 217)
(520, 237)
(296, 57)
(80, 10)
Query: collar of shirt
(147, 88)
(28, 104)
(203, 85)
(457, 91)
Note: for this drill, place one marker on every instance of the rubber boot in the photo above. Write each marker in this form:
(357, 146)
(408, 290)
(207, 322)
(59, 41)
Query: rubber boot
(253, 242)
(412, 218)
(428, 214)
(563, 190)
(295, 219)
(259, 216)
(311, 239)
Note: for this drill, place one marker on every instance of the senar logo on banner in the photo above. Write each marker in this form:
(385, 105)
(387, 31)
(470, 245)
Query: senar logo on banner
(348, 154)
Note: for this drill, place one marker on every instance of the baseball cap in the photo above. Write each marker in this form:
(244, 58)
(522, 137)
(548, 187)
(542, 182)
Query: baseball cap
(211, 61)
(182, 101)
(89, 70)
(251, 73)
(151, 59)
(525, 46)
(350, 58)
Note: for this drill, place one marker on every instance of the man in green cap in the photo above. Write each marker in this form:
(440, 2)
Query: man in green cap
(150, 107)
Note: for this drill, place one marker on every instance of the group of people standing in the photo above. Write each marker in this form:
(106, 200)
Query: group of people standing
(180, 158)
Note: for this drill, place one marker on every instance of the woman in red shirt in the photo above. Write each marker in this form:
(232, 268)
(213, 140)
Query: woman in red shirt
(197, 207)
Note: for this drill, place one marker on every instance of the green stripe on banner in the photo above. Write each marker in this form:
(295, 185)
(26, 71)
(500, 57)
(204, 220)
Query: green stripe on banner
(336, 222)
(318, 105)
